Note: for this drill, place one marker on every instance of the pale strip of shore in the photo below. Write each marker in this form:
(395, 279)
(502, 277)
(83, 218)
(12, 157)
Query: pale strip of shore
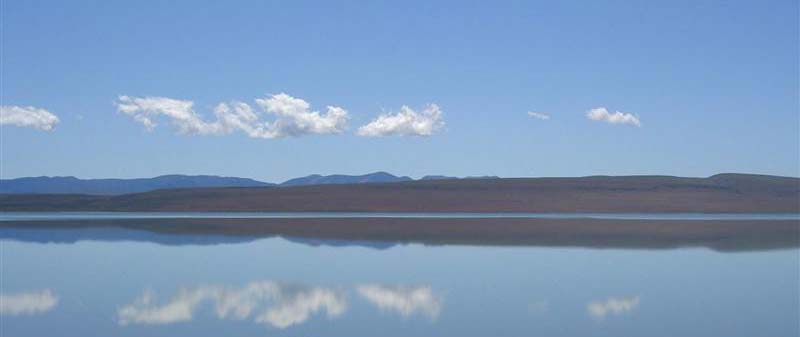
(722, 235)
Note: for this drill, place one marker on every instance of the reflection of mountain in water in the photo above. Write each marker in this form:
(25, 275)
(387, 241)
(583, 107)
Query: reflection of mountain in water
(343, 243)
(382, 233)
(114, 235)
(110, 234)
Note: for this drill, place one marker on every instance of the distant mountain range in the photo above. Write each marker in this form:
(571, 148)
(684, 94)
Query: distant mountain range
(722, 193)
(73, 185)
(436, 177)
(316, 179)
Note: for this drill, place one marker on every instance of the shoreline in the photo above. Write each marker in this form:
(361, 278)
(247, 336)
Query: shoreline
(166, 215)
(720, 235)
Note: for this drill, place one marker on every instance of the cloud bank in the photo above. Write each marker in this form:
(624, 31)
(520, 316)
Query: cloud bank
(601, 114)
(267, 302)
(293, 117)
(615, 306)
(27, 303)
(405, 301)
(406, 122)
(539, 115)
(28, 116)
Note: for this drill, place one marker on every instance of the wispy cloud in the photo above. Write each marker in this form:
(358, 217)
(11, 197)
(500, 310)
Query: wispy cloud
(615, 306)
(602, 114)
(180, 112)
(405, 301)
(406, 122)
(539, 115)
(293, 117)
(272, 303)
(28, 303)
(28, 116)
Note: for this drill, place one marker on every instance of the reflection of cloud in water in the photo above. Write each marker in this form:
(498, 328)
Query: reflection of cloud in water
(616, 306)
(279, 305)
(539, 307)
(294, 308)
(27, 303)
(403, 300)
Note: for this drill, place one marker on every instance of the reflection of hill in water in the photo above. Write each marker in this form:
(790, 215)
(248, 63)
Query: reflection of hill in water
(69, 236)
(382, 233)
(342, 243)
(108, 234)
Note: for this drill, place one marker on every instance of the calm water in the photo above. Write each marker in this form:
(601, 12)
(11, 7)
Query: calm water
(145, 284)
(16, 216)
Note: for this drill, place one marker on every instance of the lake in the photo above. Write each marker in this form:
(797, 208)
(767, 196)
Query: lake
(121, 282)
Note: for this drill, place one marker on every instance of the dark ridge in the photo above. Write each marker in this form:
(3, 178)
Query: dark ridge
(728, 193)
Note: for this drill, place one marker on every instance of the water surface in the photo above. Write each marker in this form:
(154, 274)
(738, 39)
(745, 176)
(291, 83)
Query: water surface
(136, 285)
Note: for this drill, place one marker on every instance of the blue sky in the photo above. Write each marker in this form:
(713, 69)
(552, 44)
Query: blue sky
(714, 86)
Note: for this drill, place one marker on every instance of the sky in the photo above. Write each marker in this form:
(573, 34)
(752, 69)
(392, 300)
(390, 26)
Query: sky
(275, 90)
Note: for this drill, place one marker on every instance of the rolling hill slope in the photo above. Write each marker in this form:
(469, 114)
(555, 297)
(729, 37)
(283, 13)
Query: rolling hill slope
(719, 193)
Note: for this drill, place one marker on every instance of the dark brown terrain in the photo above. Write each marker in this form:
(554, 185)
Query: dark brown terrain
(728, 193)
(725, 193)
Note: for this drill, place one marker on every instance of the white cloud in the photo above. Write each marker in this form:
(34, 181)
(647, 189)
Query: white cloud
(27, 303)
(181, 113)
(28, 117)
(238, 116)
(403, 300)
(615, 306)
(293, 116)
(279, 305)
(539, 115)
(602, 114)
(406, 122)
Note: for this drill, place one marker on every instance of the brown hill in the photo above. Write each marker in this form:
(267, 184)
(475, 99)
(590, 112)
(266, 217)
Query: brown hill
(719, 193)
